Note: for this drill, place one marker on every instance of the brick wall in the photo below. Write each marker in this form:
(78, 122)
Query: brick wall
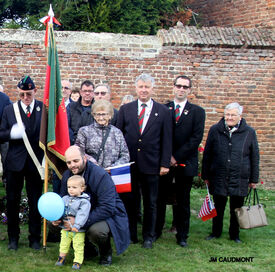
(226, 65)
(236, 13)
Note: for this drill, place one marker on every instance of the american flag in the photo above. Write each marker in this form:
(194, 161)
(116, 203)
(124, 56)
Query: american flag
(208, 210)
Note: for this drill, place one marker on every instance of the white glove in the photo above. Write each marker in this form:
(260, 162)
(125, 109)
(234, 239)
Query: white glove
(17, 131)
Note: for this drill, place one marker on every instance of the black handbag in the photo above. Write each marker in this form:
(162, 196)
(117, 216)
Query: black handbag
(251, 216)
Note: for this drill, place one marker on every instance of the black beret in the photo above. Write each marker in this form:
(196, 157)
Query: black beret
(26, 84)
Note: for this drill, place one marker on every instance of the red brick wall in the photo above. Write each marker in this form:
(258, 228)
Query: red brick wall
(224, 67)
(236, 13)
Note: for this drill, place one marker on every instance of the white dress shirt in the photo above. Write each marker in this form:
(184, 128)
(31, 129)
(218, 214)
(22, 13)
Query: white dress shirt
(24, 107)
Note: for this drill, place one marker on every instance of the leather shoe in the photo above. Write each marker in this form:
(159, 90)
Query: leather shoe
(13, 245)
(105, 260)
(182, 243)
(35, 245)
(210, 237)
(237, 240)
(147, 244)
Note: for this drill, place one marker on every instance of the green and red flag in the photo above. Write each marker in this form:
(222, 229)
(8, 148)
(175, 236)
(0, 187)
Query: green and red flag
(54, 132)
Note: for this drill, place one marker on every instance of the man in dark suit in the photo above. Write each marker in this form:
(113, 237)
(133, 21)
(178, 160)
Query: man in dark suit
(147, 128)
(19, 164)
(4, 101)
(188, 127)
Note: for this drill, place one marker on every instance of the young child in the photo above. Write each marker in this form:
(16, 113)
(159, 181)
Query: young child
(77, 205)
(75, 94)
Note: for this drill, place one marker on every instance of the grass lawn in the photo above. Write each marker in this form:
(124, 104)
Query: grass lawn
(166, 255)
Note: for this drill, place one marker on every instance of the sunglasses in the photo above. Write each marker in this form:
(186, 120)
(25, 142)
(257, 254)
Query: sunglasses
(98, 93)
(100, 114)
(28, 94)
(179, 86)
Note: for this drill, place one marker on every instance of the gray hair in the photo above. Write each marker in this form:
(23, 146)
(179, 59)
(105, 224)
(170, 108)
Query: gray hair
(145, 78)
(70, 83)
(103, 85)
(103, 105)
(234, 105)
(126, 99)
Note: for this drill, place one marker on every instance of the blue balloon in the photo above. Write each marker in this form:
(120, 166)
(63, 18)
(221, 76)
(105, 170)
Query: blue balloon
(51, 206)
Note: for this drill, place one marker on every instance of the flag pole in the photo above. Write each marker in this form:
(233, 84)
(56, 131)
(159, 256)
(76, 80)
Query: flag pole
(45, 191)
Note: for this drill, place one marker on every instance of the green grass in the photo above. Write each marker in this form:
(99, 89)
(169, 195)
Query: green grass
(165, 256)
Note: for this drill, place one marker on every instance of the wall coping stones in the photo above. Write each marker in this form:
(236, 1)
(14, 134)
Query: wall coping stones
(141, 46)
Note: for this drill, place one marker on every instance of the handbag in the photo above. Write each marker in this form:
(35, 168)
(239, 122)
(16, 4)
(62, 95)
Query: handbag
(251, 216)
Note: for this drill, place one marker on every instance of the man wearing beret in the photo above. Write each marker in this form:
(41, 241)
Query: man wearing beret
(20, 165)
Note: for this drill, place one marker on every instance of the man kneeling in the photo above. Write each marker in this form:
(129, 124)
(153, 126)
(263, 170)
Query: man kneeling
(107, 215)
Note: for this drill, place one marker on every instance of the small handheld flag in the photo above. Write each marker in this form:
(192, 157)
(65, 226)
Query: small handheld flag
(121, 177)
(207, 210)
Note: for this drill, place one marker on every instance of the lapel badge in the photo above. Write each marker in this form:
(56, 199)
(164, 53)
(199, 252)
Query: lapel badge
(185, 112)
(38, 108)
(156, 114)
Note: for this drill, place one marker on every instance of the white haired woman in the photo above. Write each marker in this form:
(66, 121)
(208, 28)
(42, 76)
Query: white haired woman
(230, 166)
(103, 143)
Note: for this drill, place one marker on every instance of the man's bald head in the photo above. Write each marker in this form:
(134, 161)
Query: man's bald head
(75, 159)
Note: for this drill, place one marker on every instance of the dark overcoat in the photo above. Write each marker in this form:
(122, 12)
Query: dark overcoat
(231, 163)
(105, 203)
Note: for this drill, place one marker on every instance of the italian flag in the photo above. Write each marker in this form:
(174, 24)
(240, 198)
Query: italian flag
(54, 132)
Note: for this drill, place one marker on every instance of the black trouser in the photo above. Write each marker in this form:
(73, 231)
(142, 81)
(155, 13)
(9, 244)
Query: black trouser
(34, 185)
(182, 189)
(217, 223)
(99, 234)
(149, 189)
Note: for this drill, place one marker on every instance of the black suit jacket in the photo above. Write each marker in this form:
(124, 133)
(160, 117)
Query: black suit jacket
(151, 149)
(17, 153)
(187, 135)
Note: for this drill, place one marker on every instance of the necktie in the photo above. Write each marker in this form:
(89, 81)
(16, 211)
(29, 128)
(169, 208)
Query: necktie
(28, 111)
(177, 113)
(141, 117)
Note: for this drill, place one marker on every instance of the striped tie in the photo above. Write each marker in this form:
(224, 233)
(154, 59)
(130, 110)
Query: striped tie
(141, 117)
(177, 113)
(28, 111)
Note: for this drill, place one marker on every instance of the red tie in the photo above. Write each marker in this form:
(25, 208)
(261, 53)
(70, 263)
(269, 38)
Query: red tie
(28, 111)
(177, 113)
(141, 117)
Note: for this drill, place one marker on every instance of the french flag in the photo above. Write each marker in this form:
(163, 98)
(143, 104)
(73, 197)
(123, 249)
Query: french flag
(121, 177)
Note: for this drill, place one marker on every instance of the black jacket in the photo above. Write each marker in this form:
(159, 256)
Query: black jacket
(231, 163)
(75, 113)
(17, 152)
(187, 135)
(151, 149)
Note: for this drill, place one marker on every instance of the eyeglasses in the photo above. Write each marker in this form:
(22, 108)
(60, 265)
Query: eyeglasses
(28, 94)
(66, 88)
(179, 86)
(100, 93)
(86, 91)
(100, 114)
(231, 115)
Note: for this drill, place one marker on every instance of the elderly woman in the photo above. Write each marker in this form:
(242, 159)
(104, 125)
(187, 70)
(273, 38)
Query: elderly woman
(103, 143)
(230, 166)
